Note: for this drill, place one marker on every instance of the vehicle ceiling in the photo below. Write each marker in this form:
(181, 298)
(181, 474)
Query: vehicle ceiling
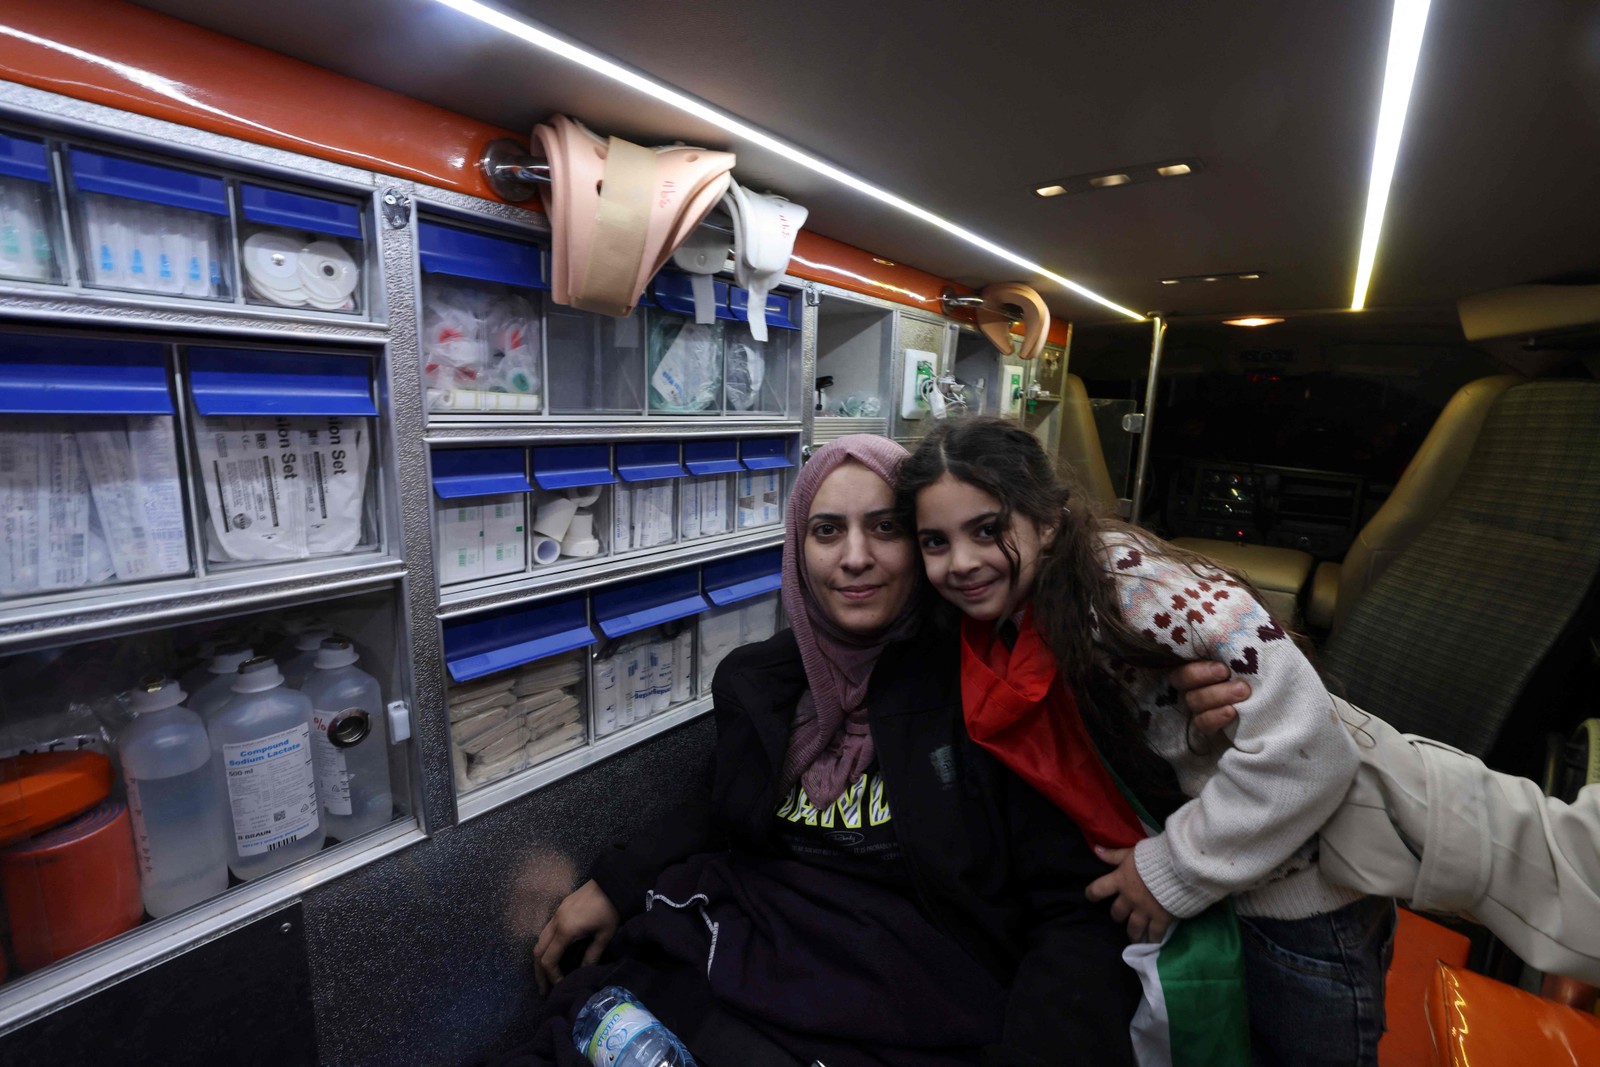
(965, 107)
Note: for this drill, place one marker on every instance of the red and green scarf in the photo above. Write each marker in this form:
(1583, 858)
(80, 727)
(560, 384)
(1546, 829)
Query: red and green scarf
(1018, 707)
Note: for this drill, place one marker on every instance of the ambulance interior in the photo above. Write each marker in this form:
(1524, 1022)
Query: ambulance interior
(1189, 189)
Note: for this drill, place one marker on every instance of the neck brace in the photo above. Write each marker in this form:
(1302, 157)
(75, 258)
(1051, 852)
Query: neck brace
(764, 229)
(617, 210)
(995, 323)
(701, 256)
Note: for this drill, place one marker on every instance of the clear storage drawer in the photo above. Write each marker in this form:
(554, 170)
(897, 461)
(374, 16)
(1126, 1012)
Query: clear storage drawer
(29, 223)
(90, 487)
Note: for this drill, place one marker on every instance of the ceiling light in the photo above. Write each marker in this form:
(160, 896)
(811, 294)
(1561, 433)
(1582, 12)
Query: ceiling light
(560, 46)
(1230, 276)
(1172, 170)
(1105, 181)
(1254, 320)
(1169, 281)
(1209, 278)
(1405, 46)
(1248, 277)
(1050, 190)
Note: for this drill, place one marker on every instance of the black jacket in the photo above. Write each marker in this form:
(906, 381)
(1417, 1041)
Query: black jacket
(994, 864)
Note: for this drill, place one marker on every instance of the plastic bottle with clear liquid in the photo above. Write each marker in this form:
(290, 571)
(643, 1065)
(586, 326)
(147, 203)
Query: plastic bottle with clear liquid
(298, 667)
(207, 698)
(351, 740)
(262, 741)
(174, 799)
(614, 1030)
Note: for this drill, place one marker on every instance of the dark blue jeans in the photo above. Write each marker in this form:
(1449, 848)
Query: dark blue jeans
(1316, 985)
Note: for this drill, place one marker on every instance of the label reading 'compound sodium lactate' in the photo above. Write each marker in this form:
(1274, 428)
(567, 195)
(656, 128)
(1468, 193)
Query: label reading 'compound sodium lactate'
(272, 789)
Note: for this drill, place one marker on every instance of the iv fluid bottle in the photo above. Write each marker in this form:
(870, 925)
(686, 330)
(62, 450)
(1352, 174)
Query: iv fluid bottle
(615, 1030)
(350, 739)
(262, 741)
(207, 698)
(175, 800)
(298, 667)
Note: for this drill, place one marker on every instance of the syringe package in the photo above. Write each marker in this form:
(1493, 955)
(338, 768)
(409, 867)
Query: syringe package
(283, 488)
(88, 506)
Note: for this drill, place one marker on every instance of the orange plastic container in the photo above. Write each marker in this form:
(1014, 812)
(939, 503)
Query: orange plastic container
(41, 789)
(73, 887)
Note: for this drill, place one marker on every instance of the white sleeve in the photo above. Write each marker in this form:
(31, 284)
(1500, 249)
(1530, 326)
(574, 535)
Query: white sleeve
(1291, 760)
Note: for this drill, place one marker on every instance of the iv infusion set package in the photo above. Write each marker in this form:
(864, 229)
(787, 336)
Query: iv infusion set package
(90, 505)
(284, 488)
(480, 349)
(300, 270)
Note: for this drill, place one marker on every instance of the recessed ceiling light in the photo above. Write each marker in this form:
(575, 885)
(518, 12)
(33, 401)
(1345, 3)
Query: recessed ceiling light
(1230, 276)
(1248, 277)
(1050, 190)
(1169, 281)
(537, 36)
(1209, 278)
(1105, 181)
(1253, 320)
(1400, 70)
(1172, 170)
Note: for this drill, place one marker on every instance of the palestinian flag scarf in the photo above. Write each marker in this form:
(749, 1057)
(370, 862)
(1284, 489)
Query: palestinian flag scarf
(1016, 705)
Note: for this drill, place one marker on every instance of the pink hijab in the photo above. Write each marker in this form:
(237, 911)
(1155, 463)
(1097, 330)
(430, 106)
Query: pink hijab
(830, 745)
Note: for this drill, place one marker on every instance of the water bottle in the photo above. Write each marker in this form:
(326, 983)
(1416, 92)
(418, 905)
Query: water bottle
(207, 698)
(350, 739)
(174, 799)
(615, 1030)
(262, 741)
(298, 667)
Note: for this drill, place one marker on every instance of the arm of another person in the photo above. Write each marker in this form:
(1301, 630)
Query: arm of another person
(1290, 762)
(1072, 998)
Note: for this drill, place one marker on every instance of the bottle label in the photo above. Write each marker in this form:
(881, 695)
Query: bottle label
(141, 836)
(272, 791)
(620, 1026)
(333, 772)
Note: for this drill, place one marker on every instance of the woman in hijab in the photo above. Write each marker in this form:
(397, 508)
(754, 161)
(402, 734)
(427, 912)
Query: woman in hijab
(862, 884)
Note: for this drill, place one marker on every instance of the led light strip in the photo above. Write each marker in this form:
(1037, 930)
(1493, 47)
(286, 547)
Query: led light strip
(1405, 46)
(549, 42)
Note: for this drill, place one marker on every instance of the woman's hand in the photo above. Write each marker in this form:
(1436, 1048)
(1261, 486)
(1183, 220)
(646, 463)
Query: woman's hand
(1147, 920)
(586, 912)
(1210, 694)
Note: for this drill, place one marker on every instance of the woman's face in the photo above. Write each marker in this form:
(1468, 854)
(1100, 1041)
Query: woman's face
(860, 565)
(961, 549)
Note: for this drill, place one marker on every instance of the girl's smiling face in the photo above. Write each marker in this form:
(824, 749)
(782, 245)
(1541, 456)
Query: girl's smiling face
(964, 549)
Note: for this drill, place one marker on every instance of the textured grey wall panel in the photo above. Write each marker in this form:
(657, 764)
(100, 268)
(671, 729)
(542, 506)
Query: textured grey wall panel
(425, 957)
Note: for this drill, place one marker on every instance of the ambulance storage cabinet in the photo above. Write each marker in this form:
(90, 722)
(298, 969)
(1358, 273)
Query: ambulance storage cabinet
(229, 425)
(210, 425)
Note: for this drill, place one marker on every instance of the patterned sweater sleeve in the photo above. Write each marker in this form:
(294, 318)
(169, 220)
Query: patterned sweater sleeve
(1291, 759)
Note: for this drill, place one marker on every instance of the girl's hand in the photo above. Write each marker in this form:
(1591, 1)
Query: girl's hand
(1147, 920)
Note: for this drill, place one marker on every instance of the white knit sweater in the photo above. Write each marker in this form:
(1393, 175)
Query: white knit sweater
(1250, 829)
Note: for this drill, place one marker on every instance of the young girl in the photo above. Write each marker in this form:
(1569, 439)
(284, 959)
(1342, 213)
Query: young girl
(1059, 599)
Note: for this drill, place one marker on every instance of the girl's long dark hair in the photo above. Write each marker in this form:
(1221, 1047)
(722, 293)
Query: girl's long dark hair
(1075, 601)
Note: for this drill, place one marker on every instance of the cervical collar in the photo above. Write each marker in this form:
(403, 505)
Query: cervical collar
(701, 256)
(995, 322)
(617, 210)
(764, 229)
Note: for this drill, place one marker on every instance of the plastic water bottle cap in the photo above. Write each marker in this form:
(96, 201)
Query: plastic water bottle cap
(258, 675)
(154, 693)
(307, 640)
(227, 659)
(335, 652)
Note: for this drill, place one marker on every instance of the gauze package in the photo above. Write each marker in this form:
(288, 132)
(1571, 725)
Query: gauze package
(283, 488)
(747, 371)
(88, 506)
(133, 475)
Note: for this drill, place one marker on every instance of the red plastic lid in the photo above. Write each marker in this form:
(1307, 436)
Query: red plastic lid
(39, 790)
